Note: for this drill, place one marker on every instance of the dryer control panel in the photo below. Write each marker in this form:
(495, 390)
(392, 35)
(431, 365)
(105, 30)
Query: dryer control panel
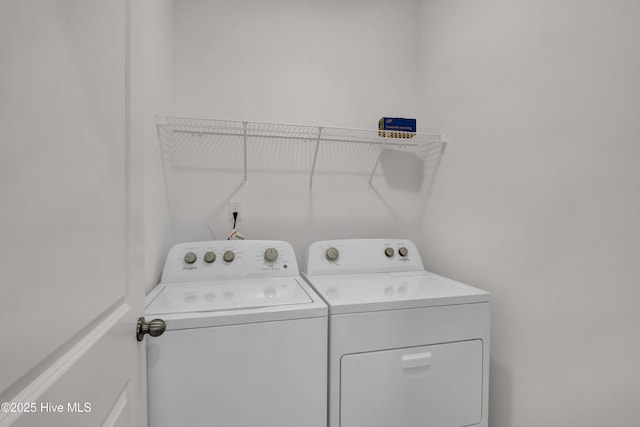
(229, 259)
(351, 256)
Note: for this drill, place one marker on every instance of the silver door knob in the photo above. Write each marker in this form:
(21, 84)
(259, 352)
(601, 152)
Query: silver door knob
(155, 328)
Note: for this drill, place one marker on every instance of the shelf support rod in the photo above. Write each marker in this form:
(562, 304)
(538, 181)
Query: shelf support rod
(246, 182)
(315, 156)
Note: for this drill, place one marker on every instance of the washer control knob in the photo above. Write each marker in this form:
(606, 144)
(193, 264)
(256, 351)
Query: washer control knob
(209, 257)
(190, 258)
(331, 254)
(271, 254)
(403, 251)
(389, 252)
(228, 256)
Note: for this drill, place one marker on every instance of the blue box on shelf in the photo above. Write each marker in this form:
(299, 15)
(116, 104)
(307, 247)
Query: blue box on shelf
(396, 127)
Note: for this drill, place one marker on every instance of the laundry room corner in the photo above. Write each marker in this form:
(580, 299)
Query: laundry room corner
(537, 197)
(155, 96)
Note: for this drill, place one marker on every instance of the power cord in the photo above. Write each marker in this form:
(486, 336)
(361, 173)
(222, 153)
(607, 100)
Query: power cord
(235, 234)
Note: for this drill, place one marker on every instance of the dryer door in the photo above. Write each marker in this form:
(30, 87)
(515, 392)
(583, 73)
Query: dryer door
(437, 385)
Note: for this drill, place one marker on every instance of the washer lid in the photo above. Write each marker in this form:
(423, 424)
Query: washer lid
(355, 293)
(228, 295)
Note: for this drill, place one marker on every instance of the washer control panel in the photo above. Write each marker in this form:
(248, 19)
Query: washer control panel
(361, 256)
(224, 259)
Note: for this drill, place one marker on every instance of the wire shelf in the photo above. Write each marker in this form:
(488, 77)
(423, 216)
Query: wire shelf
(224, 145)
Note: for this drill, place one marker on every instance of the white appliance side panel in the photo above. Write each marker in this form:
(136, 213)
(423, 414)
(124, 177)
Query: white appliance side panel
(271, 374)
(436, 385)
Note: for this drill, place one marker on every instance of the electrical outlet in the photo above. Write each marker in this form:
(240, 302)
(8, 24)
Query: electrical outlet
(235, 206)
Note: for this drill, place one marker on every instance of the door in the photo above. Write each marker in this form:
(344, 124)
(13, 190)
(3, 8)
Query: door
(70, 284)
(435, 385)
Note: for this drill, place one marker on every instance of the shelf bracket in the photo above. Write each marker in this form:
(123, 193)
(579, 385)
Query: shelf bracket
(246, 182)
(315, 157)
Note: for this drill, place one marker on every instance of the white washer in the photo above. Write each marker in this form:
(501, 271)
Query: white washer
(245, 341)
(406, 347)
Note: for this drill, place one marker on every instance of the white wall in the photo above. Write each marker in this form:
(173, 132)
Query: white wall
(154, 88)
(538, 196)
(335, 62)
(330, 63)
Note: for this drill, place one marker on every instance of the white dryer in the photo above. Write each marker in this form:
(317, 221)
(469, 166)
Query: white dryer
(407, 347)
(245, 341)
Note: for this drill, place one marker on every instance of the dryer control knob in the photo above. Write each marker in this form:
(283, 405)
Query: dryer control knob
(209, 257)
(271, 254)
(389, 252)
(403, 251)
(228, 256)
(331, 254)
(190, 258)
